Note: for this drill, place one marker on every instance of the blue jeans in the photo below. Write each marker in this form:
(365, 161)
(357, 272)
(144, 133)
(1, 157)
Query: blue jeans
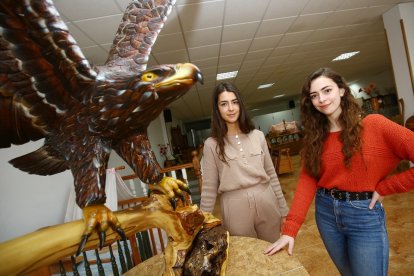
(356, 237)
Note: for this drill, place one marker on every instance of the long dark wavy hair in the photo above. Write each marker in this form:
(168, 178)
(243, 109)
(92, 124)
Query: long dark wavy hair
(218, 125)
(316, 124)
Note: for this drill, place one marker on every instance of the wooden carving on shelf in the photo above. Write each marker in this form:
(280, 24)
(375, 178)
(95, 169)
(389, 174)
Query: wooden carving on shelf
(48, 89)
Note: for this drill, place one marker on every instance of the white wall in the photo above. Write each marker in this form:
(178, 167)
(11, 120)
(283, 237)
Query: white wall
(400, 64)
(29, 202)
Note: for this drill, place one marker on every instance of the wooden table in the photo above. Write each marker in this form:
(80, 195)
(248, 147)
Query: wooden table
(245, 258)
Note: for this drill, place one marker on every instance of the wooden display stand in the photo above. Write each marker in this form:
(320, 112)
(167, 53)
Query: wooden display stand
(278, 141)
(284, 162)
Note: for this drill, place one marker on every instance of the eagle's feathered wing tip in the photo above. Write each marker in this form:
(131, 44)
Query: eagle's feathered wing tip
(39, 162)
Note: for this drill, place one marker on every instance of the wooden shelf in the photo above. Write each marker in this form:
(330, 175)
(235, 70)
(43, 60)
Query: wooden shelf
(277, 141)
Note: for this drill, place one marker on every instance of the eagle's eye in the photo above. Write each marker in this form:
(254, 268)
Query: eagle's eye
(148, 76)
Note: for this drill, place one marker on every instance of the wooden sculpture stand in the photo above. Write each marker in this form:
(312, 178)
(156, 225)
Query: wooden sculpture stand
(50, 244)
(245, 258)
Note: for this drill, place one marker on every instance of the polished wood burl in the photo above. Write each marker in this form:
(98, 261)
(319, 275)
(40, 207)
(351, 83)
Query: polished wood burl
(245, 258)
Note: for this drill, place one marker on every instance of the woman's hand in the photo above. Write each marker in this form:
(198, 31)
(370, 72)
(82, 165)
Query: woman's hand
(375, 197)
(279, 244)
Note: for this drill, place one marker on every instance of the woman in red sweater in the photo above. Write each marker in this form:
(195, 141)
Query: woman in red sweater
(346, 162)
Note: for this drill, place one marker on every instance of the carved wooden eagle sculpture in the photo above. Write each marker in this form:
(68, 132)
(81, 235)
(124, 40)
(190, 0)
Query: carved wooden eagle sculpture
(48, 89)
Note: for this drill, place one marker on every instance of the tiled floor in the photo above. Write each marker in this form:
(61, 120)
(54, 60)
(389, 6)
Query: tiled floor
(310, 250)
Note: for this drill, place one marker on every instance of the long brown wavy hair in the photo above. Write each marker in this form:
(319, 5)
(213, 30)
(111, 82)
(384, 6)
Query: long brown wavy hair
(316, 124)
(218, 125)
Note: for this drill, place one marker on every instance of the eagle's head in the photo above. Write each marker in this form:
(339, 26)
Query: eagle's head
(123, 103)
(169, 82)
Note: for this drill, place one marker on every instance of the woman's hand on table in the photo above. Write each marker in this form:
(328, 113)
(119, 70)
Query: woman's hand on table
(279, 244)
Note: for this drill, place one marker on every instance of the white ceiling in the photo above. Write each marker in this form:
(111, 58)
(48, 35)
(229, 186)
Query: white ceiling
(278, 41)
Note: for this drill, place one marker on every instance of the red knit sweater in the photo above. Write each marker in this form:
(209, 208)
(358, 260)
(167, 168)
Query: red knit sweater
(384, 145)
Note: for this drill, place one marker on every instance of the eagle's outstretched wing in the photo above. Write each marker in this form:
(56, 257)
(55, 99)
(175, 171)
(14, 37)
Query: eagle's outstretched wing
(140, 26)
(42, 70)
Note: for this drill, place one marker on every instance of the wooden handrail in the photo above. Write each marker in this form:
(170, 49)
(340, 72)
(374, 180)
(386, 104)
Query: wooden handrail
(196, 157)
(163, 170)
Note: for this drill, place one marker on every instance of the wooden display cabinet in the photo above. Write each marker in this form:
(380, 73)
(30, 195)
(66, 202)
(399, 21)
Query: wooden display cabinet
(278, 141)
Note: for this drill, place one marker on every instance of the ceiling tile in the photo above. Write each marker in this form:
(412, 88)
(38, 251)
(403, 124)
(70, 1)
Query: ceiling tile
(275, 26)
(102, 30)
(294, 38)
(80, 9)
(308, 22)
(207, 70)
(326, 34)
(244, 11)
(255, 55)
(271, 62)
(239, 31)
(228, 67)
(317, 6)
(201, 15)
(265, 42)
(204, 52)
(253, 63)
(285, 8)
(183, 2)
(198, 38)
(95, 54)
(284, 50)
(231, 59)
(342, 17)
(81, 39)
(207, 63)
(235, 47)
(179, 56)
(169, 42)
(172, 25)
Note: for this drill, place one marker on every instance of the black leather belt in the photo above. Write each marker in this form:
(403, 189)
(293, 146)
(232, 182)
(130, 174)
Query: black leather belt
(344, 195)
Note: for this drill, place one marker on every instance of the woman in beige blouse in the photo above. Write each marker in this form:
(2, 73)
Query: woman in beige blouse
(237, 165)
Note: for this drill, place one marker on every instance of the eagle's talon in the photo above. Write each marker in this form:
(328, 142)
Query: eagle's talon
(173, 202)
(182, 197)
(102, 238)
(81, 246)
(174, 189)
(98, 218)
(121, 233)
(187, 189)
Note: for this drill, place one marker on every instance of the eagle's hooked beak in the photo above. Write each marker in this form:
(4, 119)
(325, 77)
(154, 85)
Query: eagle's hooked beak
(186, 74)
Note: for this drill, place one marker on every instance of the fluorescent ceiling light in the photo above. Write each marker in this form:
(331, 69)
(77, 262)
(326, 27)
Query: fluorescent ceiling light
(227, 75)
(278, 96)
(255, 109)
(345, 56)
(265, 85)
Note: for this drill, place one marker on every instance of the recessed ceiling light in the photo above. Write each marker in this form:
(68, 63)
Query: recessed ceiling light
(345, 56)
(227, 75)
(265, 85)
(278, 96)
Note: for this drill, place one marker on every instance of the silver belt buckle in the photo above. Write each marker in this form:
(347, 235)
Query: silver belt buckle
(331, 193)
